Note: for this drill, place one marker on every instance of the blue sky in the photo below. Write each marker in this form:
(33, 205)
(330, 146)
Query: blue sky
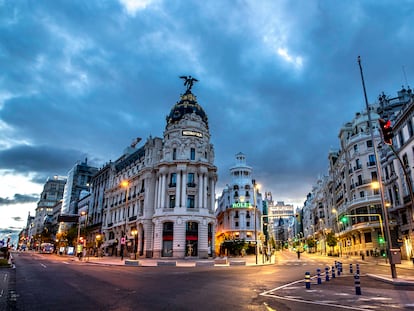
(277, 79)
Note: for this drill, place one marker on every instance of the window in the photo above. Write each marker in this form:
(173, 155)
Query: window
(247, 214)
(371, 160)
(405, 159)
(369, 143)
(173, 179)
(236, 224)
(374, 176)
(362, 194)
(237, 214)
(401, 138)
(355, 148)
(190, 201)
(247, 223)
(192, 154)
(190, 180)
(172, 201)
(410, 128)
(367, 237)
(358, 164)
(175, 154)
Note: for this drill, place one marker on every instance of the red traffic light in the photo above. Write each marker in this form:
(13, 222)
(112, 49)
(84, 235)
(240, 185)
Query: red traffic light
(386, 131)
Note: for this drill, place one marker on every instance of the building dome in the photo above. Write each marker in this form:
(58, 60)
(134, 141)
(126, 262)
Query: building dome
(187, 105)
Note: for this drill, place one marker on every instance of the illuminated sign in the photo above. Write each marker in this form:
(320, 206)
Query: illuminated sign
(192, 133)
(241, 205)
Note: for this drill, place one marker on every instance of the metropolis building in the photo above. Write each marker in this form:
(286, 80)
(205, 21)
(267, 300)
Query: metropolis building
(158, 200)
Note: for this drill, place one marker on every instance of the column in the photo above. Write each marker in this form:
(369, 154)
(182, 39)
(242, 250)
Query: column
(212, 196)
(156, 198)
(163, 180)
(200, 190)
(177, 189)
(205, 186)
(184, 190)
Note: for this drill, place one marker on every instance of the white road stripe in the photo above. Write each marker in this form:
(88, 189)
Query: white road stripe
(44, 266)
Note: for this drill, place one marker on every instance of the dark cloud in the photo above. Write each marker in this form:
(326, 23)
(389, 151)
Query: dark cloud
(18, 199)
(41, 158)
(278, 79)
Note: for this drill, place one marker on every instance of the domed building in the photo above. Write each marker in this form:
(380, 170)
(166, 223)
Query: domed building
(160, 198)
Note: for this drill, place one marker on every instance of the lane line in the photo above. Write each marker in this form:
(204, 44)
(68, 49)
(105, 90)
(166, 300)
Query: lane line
(44, 266)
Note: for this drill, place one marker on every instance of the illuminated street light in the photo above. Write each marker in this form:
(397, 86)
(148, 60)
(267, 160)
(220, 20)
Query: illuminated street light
(255, 187)
(125, 184)
(83, 213)
(135, 234)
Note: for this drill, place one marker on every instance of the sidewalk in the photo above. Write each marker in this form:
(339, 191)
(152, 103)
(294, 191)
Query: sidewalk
(179, 262)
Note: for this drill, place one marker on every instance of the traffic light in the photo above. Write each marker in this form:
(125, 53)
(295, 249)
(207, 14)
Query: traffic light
(344, 219)
(386, 130)
(381, 239)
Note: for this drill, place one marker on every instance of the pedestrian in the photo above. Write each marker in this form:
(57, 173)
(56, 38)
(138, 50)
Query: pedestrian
(298, 252)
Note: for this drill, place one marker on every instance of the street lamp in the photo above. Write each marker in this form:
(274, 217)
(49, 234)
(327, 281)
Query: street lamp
(83, 213)
(379, 174)
(255, 219)
(125, 184)
(135, 234)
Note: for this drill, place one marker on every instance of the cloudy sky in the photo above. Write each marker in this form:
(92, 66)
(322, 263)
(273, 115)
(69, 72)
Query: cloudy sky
(277, 79)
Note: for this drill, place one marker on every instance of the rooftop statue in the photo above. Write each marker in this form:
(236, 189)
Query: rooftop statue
(189, 81)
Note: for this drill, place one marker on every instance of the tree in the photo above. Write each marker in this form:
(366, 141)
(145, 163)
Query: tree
(331, 240)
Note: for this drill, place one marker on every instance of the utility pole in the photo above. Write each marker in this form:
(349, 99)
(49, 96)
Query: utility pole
(379, 174)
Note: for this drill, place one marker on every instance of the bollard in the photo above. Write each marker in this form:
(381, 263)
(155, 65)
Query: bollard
(333, 272)
(357, 284)
(318, 272)
(357, 268)
(338, 269)
(350, 269)
(340, 266)
(327, 274)
(307, 280)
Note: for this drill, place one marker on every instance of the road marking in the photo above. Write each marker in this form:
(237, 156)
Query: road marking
(269, 308)
(320, 303)
(5, 277)
(314, 302)
(66, 263)
(1, 293)
(44, 266)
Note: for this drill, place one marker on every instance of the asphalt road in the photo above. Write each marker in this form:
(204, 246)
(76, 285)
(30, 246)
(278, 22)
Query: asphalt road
(49, 282)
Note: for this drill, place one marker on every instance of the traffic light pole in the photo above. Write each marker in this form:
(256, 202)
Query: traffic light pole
(379, 174)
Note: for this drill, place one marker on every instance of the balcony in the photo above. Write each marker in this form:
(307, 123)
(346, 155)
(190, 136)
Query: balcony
(132, 218)
(191, 185)
(110, 224)
(172, 185)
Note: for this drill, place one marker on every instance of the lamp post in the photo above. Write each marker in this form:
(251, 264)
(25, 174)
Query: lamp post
(255, 220)
(83, 213)
(379, 174)
(125, 184)
(135, 234)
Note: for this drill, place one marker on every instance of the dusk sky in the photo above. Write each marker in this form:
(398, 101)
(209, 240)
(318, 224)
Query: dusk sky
(81, 79)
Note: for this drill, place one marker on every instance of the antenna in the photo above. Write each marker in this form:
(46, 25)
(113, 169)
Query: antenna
(405, 75)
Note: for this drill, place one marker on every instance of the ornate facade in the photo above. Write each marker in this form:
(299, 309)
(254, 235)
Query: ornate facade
(159, 201)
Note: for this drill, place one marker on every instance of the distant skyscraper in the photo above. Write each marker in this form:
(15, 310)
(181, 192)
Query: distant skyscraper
(52, 193)
(79, 178)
